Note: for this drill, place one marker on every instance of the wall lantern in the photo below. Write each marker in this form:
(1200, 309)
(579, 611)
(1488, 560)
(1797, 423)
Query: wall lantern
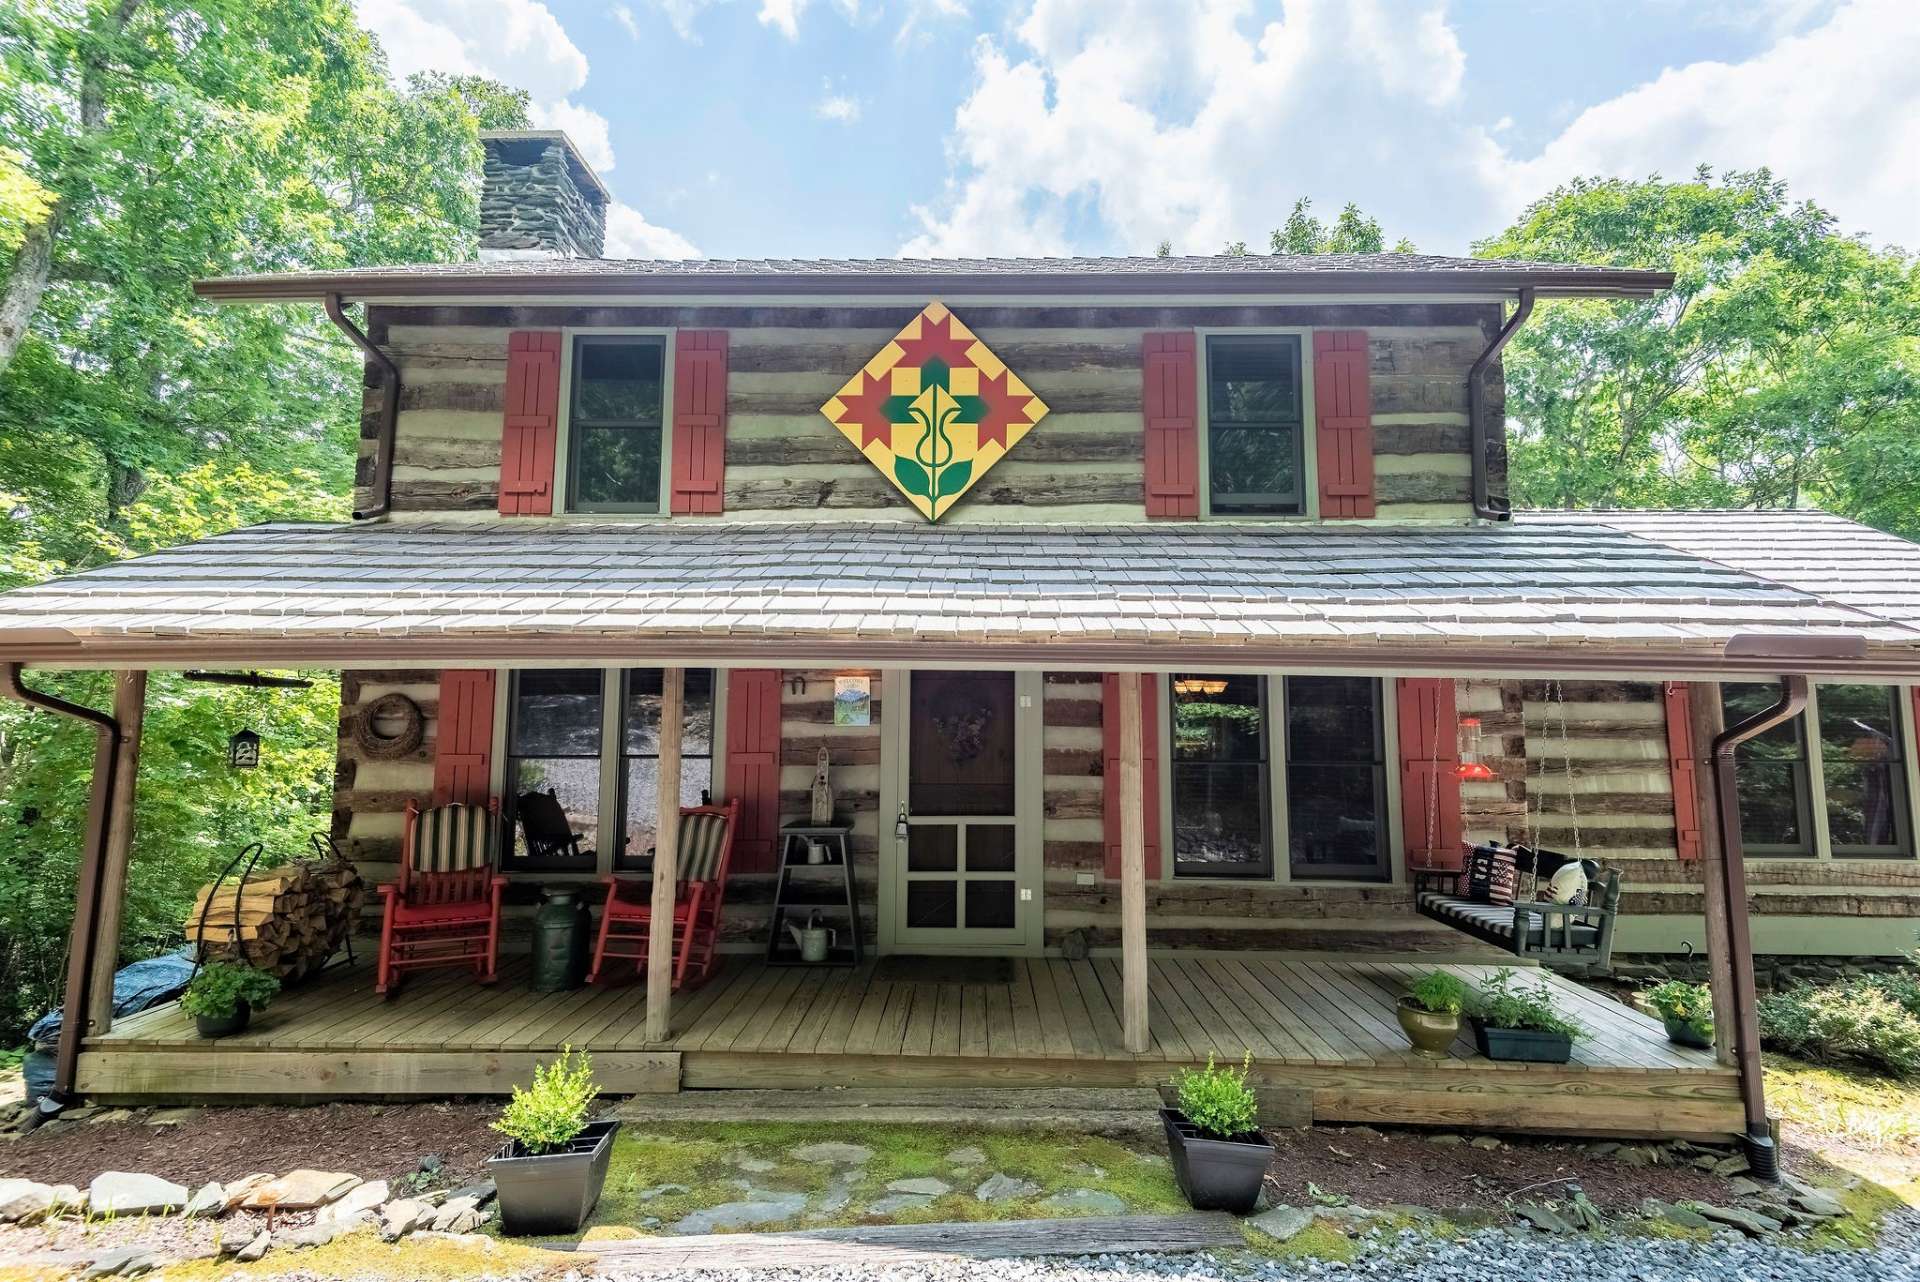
(243, 750)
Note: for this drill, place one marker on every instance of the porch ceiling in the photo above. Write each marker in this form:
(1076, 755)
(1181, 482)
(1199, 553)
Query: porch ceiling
(1578, 593)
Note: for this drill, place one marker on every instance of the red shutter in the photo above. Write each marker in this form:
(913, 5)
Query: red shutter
(1429, 772)
(1149, 769)
(1343, 413)
(463, 752)
(532, 423)
(699, 419)
(753, 765)
(1172, 430)
(1684, 768)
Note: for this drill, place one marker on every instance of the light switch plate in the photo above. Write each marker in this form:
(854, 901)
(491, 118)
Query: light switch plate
(1084, 879)
(1026, 896)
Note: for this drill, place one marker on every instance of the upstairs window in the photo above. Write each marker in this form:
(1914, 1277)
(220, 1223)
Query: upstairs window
(1256, 461)
(616, 423)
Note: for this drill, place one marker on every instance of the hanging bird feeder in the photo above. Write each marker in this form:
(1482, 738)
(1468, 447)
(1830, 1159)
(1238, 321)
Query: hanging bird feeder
(1471, 764)
(243, 750)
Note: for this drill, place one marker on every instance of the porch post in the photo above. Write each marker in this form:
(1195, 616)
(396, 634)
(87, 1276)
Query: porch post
(666, 858)
(1709, 719)
(129, 708)
(1133, 867)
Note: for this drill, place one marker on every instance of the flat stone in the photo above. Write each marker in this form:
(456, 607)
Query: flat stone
(403, 1216)
(24, 1200)
(468, 1220)
(175, 1116)
(1735, 1165)
(767, 1208)
(966, 1157)
(355, 1206)
(111, 1115)
(1820, 1202)
(895, 1203)
(1741, 1186)
(1282, 1223)
(925, 1187)
(454, 1208)
(306, 1236)
(1686, 1217)
(302, 1190)
(254, 1249)
(66, 1197)
(833, 1153)
(1446, 1139)
(240, 1190)
(753, 1165)
(481, 1191)
(130, 1193)
(661, 1190)
(1604, 1148)
(1543, 1219)
(1001, 1188)
(1487, 1142)
(123, 1262)
(208, 1199)
(1085, 1202)
(1752, 1223)
(431, 1164)
(838, 1193)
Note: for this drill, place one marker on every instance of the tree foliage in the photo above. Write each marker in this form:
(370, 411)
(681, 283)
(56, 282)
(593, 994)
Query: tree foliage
(151, 143)
(1353, 232)
(1782, 369)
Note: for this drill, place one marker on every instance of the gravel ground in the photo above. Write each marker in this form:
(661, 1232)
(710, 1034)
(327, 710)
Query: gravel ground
(1491, 1255)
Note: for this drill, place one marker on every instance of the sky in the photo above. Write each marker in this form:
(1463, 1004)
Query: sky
(943, 128)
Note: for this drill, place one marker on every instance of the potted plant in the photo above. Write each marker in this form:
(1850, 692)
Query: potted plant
(1430, 1012)
(1511, 1022)
(1220, 1155)
(222, 997)
(550, 1172)
(1687, 1011)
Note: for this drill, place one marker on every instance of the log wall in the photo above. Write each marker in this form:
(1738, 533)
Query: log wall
(784, 461)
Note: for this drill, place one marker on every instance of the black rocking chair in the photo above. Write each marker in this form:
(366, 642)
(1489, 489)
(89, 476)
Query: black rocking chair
(544, 823)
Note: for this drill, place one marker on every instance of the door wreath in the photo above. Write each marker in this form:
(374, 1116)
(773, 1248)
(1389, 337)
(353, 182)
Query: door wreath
(387, 747)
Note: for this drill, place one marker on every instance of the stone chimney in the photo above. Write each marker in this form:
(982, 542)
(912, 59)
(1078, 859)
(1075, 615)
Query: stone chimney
(538, 198)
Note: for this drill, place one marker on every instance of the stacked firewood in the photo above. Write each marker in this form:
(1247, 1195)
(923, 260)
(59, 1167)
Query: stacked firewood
(288, 920)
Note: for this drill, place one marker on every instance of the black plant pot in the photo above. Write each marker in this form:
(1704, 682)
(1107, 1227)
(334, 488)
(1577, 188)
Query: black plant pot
(1216, 1175)
(1681, 1033)
(224, 1025)
(1526, 1045)
(552, 1192)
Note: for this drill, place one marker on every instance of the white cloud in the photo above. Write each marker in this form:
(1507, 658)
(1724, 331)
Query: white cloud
(587, 128)
(1153, 121)
(624, 16)
(680, 15)
(783, 16)
(630, 235)
(835, 105)
(1835, 111)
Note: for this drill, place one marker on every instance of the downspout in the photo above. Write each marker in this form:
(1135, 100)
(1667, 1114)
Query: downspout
(78, 1020)
(1485, 506)
(382, 481)
(1761, 1153)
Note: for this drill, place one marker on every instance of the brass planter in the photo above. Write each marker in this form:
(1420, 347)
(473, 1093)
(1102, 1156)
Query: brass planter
(1431, 1034)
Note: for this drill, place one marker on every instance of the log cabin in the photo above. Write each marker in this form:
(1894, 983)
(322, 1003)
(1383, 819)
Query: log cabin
(1163, 622)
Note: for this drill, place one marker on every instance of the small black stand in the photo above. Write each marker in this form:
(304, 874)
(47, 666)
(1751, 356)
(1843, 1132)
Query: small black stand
(809, 893)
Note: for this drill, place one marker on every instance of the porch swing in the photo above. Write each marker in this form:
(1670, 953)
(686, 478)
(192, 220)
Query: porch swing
(1576, 935)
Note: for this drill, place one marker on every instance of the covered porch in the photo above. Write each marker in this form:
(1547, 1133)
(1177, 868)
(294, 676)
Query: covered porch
(1321, 1031)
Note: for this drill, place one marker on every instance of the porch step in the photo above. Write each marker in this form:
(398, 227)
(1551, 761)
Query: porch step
(895, 1244)
(1116, 1112)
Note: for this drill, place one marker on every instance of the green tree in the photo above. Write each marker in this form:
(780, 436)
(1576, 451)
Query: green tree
(1351, 233)
(1782, 369)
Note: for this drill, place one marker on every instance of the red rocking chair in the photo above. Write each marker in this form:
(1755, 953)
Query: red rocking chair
(445, 909)
(706, 847)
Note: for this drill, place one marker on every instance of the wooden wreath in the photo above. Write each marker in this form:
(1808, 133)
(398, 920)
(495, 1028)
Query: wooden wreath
(385, 747)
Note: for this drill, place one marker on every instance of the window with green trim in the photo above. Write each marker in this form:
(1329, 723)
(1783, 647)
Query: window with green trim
(1256, 426)
(616, 423)
(1839, 767)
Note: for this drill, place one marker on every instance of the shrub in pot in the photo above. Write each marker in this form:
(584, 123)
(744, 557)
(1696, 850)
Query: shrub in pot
(1687, 1011)
(222, 996)
(1430, 1012)
(1219, 1154)
(550, 1172)
(1512, 1021)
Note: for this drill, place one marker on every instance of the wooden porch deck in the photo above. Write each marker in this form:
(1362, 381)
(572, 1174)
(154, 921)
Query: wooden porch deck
(1321, 1031)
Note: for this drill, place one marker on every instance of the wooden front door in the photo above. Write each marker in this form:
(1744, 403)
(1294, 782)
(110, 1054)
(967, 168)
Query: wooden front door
(960, 849)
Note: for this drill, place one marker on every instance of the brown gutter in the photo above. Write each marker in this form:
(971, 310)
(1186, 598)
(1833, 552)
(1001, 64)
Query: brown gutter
(1484, 505)
(606, 277)
(365, 650)
(78, 1021)
(382, 480)
(1761, 1155)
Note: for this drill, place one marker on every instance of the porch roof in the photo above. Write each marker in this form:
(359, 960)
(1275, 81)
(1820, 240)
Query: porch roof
(1585, 592)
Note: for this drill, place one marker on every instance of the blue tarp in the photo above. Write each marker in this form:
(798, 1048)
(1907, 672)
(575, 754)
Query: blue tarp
(135, 988)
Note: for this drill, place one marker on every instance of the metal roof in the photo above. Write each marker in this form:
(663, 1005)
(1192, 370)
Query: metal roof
(1232, 274)
(1548, 586)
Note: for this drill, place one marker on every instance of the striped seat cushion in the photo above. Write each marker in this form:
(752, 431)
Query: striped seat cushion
(455, 838)
(1494, 922)
(701, 839)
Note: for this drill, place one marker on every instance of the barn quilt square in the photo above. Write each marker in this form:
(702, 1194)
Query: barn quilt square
(934, 410)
